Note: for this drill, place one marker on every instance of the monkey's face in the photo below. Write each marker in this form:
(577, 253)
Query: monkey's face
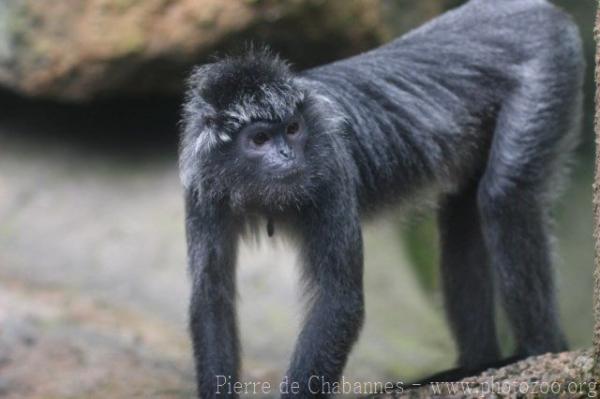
(256, 135)
(268, 164)
(274, 149)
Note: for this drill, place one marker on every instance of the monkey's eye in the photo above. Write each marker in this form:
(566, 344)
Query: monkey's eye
(292, 128)
(260, 138)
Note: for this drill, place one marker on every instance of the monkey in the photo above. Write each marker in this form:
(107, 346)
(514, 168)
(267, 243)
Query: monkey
(480, 106)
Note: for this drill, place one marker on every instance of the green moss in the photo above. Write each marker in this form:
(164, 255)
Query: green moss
(254, 2)
(132, 43)
(122, 5)
(206, 23)
(422, 247)
(18, 20)
(24, 42)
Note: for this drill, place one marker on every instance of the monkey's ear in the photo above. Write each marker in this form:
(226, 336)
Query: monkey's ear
(320, 108)
(198, 132)
(200, 108)
(198, 135)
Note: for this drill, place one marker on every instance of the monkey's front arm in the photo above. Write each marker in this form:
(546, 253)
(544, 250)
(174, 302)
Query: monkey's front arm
(333, 268)
(212, 242)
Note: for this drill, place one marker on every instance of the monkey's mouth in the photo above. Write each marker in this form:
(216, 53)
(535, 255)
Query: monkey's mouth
(292, 171)
(285, 175)
(286, 178)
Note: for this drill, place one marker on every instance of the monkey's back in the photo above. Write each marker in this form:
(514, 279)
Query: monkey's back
(422, 107)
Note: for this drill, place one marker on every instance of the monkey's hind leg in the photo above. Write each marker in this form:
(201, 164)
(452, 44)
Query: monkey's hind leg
(513, 205)
(467, 280)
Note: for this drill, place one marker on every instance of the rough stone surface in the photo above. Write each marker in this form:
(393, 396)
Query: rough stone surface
(78, 49)
(564, 375)
(54, 345)
(596, 200)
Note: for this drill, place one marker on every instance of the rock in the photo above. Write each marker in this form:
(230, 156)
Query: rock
(83, 349)
(82, 49)
(565, 375)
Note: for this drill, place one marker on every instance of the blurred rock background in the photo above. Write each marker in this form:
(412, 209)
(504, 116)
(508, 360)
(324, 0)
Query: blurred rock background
(93, 289)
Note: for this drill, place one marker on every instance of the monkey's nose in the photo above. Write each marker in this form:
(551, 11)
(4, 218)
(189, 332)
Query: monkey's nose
(287, 153)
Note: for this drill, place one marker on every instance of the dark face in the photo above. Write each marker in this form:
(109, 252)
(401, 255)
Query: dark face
(274, 150)
(255, 135)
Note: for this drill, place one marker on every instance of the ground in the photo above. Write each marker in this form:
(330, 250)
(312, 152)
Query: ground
(93, 281)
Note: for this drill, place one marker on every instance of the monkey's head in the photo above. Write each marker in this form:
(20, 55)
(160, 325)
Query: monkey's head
(251, 133)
